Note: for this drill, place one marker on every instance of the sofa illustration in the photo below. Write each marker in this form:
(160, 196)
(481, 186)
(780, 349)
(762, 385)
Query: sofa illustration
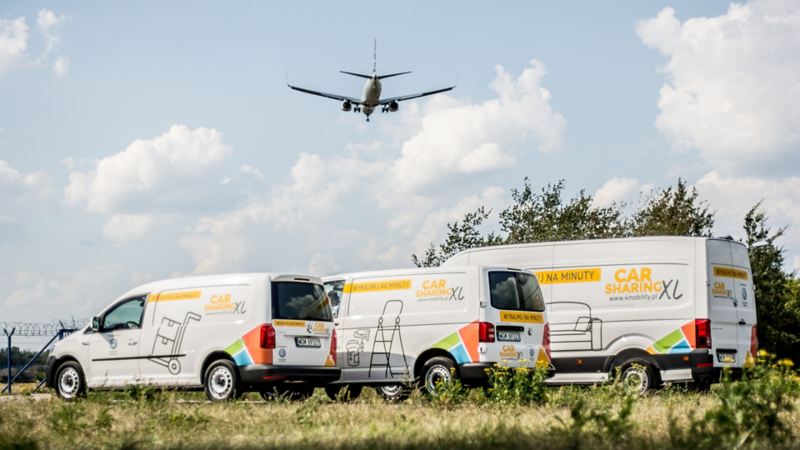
(573, 328)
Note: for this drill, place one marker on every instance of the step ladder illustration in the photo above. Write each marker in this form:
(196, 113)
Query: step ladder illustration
(384, 340)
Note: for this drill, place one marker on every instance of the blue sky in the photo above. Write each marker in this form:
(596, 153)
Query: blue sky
(142, 141)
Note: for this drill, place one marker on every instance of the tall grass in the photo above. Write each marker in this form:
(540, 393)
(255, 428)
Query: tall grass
(762, 409)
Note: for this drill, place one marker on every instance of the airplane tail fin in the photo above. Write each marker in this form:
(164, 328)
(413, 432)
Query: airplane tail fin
(356, 74)
(374, 55)
(380, 77)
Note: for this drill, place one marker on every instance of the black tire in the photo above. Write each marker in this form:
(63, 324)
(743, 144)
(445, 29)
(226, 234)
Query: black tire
(222, 381)
(438, 369)
(343, 392)
(291, 392)
(69, 382)
(638, 375)
(393, 392)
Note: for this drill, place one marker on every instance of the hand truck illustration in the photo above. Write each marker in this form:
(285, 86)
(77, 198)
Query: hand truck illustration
(169, 339)
(385, 338)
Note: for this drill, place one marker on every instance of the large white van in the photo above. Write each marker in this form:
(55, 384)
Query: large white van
(227, 334)
(398, 326)
(659, 308)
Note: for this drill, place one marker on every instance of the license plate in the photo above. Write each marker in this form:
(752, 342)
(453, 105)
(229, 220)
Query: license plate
(508, 336)
(726, 357)
(307, 342)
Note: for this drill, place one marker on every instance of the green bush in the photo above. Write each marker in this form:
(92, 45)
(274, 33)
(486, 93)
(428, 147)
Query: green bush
(517, 386)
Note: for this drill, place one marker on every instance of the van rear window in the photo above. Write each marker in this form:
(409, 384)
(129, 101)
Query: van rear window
(300, 301)
(515, 291)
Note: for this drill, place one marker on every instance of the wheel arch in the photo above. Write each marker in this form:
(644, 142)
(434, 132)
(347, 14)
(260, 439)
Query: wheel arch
(50, 376)
(215, 356)
(432, 353)
(618, 359)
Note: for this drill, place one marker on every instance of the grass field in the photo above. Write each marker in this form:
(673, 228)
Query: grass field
(571, 417)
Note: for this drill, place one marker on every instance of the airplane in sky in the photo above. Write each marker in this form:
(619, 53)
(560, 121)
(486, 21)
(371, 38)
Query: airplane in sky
(371, 99)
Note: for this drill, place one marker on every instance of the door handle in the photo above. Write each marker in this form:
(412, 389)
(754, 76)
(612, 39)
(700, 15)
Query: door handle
(85, 342)
(132, 342)
(742, 322)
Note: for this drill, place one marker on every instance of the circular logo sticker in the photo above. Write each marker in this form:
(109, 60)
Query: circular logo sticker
(531, 352)
(282, 353)
(744, 293)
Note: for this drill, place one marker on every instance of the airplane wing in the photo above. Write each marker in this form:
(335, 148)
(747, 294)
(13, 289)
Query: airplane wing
(341, 98)
(386, 101)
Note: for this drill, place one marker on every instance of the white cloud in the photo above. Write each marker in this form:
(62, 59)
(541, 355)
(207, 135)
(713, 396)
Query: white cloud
(48, 20)
(122, 228)
(13, 42)
(620, 190)
(731, 89)
(467, 139)
(15, 185)
(732, 196)
(174, 171)
(60, 66)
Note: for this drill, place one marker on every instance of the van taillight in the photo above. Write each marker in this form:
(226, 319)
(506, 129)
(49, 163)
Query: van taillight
(546, 339)
(267, 336)
(485, 332)
(333, 346)
(754, 341)
(702, 329)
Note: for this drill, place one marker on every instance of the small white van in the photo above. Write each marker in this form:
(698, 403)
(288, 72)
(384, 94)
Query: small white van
(398, 326)
(228, 334)
(660, 309)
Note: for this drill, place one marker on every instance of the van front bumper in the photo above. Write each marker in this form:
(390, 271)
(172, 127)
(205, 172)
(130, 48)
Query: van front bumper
(269, 374)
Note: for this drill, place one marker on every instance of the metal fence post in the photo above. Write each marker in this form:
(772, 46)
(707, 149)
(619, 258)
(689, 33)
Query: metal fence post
(8, 353)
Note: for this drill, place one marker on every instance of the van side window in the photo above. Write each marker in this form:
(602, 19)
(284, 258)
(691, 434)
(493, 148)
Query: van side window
(127, 314)
(335, 290)
(515, 291)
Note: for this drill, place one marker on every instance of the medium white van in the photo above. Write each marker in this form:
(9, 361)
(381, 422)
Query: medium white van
(228, 334)
(660, 309)
(398, 326)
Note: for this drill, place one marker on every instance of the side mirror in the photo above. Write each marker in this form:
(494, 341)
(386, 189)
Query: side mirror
(95, 324)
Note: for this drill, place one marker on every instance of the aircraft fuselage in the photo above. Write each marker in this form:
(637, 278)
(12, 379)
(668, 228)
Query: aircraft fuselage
(371, 96)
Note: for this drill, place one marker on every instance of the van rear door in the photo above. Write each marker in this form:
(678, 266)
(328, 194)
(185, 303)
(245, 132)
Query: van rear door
(745, 303)
(303, 324)
(725, 277)
(516, 310)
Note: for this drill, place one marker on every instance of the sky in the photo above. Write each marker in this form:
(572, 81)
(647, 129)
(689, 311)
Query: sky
(147, 140)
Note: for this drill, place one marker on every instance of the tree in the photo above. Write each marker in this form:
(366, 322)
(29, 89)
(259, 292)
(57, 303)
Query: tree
(460, 236)
(776, 292)
(545, 216)
(673, 212)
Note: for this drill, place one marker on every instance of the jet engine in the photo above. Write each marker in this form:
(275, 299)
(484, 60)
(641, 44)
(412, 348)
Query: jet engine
(393, 106)
(346, 106)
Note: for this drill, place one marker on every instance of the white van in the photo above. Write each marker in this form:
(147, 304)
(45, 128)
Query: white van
(420, 324)
(660, 309)
(227, 334)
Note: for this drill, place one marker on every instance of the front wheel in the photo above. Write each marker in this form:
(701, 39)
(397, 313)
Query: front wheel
(222, 381)
(70, 383)
(393, 392)
(343, 392)
(638, 375)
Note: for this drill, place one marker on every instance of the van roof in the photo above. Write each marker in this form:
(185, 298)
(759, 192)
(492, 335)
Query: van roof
(217, 280)
(598, 241)
(416, 271)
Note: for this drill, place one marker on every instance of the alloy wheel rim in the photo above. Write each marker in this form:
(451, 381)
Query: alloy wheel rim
(636, 379)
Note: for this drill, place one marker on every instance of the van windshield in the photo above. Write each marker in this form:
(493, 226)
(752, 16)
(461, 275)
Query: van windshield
(300, 301)
(515, 291)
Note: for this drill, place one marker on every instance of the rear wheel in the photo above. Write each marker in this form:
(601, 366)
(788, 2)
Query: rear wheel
(393, 392)
(343, 392)
(437, 371)
(638, 375)
(292, 392)
(70, 383)
(222, 381)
